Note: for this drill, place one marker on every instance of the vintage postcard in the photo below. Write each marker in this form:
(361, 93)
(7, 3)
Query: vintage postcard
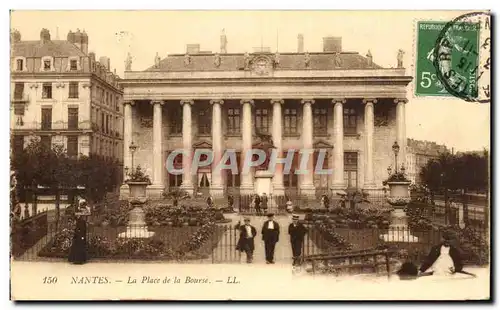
(250, 155)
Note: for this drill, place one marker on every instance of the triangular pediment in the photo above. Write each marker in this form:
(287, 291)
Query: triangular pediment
(322, 145)
(202, 145)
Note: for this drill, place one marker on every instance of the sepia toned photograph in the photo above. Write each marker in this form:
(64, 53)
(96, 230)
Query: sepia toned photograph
(250, 155)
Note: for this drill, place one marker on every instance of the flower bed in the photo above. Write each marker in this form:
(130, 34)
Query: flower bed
(168, 243)
(350, 218)
(161, 215)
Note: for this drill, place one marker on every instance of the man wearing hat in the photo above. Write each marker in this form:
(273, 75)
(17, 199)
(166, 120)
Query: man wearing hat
(246, 242)
(270, 235)
(297, 231)
(444, 258)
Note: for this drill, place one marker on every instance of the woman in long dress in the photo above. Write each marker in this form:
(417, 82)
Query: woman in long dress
(78, 250)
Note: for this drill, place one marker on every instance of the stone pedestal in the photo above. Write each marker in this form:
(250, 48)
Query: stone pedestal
(398, 230)
(136, 227)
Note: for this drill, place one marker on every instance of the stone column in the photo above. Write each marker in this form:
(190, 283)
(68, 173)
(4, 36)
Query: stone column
(127, 140)
(307, 185)
(187, 145)
(246, 135)
(216, 188)
(278, 187)
(157, 185)
(369, 183)
(401, 130)
(338, 144)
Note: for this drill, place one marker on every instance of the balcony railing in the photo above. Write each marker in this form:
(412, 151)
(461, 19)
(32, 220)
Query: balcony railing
(54, 126)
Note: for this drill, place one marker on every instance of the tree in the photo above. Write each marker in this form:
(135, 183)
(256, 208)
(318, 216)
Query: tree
(39, 165)
(463, 172)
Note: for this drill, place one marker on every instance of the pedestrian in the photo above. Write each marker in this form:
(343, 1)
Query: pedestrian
(444, 258)
(289, 205)
(270, 236)
(246, 241)
(78, 250)
(256, 202)
(297, 231)
(263, 203)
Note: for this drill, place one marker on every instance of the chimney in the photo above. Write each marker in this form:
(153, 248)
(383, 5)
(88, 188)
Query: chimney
(44, 36)
(78, 39)
(105, 61)
(92, 56)
(192, 49)
(332, 44)
(15, 36)
(223, 43)
(85, 42)
(71, 37)
(300, 43)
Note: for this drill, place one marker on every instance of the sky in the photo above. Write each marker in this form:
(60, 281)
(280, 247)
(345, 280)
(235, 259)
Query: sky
(450, 121)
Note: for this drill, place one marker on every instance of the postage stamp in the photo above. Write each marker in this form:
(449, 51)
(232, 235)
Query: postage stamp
(452, 58)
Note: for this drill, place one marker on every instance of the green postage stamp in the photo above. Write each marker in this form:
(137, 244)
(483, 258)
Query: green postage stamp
(448, 58)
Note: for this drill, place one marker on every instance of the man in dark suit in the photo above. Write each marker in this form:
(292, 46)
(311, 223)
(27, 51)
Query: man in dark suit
(297, 231)
(246, 242)
(443, 258)
(270, 236)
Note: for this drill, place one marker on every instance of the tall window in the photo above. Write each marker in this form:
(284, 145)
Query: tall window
(72, 148)
(290, 118)
(73, 65)
(18, 91)
(103, 127)
(46, 118)
(233, 180)
(291, 179)
(204, 121)
(321, 180)
(233, 121)
(46, 142)
(46, 65)
(175, 121)
(73, 89)
(320, 121)
(47, 91)
(351, 169)
(350, 121)
(262, 120)
(175, 180)
(72, 118)
(19, 65)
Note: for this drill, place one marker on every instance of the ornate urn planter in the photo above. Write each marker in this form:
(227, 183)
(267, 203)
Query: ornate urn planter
(399, 198)
(399, 193)
(136, 227)
(137, 190)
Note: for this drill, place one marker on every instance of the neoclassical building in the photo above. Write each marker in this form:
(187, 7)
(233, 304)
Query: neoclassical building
(335, 100)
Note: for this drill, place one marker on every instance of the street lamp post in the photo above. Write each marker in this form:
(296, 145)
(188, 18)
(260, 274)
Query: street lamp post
(132, 148)
(395, 149)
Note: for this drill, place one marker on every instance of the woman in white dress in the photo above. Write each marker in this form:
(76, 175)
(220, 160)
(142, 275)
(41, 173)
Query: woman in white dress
(443, 259)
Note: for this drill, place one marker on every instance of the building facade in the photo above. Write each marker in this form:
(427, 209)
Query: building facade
(62, 95)
(338, 101)
(418, 155)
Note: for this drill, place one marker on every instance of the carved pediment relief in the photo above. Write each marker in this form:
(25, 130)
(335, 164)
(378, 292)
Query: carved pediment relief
(322, 145)
(202, 145)
(262, 65)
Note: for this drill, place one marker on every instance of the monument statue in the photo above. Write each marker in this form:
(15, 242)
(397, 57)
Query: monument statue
(247, 60)
(307, 59)
(401, 53)
(128, 62)
(157, 60)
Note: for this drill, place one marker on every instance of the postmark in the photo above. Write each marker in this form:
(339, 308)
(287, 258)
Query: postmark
(449, 57)
(461, 57)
